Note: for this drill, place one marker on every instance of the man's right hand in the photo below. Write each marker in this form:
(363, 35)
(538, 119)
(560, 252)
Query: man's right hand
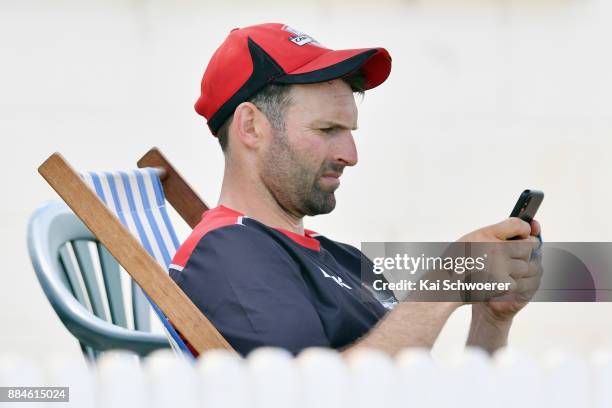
(514, 261)
(509, 246)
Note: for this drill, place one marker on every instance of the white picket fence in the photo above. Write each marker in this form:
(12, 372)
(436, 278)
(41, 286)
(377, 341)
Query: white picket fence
(321, 378)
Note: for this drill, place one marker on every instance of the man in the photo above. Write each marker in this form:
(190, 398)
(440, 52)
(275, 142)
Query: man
(283, 109)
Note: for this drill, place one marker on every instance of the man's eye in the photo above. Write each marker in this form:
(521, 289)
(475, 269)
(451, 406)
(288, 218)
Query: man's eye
(328, 129)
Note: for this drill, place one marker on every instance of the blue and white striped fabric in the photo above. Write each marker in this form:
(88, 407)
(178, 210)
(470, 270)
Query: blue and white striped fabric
(136, 197)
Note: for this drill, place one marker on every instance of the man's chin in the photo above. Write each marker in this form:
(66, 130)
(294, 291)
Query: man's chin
(320, 207)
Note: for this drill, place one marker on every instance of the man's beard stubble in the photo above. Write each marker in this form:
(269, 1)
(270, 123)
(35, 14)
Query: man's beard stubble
(292, 184)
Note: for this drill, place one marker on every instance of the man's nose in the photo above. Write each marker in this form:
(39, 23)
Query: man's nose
(346, 150)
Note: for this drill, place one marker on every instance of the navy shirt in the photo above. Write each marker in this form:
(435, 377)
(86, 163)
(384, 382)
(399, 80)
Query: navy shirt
(262, 286)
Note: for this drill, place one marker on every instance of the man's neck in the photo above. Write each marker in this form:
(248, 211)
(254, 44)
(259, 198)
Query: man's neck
(252, 199)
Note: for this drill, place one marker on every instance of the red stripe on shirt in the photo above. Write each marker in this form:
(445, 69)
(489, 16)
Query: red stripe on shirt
(220, 217)
(212, 219)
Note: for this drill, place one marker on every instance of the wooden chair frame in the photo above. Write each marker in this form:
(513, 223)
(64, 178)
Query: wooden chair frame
(150, 276)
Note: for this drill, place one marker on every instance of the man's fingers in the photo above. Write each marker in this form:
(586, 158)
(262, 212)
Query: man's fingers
(517, 249)
(507, 269)
(523, 270)
(521, 249)
(519, 268)
(527, 286)
(521, 290)
(536, 228)
(511, 228)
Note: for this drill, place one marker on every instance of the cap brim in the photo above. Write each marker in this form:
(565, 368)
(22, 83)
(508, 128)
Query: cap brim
(374, 63)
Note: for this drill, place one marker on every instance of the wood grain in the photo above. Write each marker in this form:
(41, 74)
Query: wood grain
(151, 277)
(178, 192)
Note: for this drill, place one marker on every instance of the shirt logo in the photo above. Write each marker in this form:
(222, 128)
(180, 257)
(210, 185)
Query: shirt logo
(336, 279)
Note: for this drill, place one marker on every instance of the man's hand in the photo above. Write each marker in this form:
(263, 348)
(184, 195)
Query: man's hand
(418, 322)
(516, 264)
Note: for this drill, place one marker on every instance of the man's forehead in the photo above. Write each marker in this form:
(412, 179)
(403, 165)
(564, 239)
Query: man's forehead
(336, 89)
(330, 101)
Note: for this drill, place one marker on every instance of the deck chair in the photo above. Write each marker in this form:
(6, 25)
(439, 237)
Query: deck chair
(66, 257)
(124, 214)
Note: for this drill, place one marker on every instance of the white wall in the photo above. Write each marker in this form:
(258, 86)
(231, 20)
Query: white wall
(485, 98)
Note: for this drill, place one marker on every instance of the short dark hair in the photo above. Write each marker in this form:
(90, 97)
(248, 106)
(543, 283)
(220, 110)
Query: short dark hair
(273, 100)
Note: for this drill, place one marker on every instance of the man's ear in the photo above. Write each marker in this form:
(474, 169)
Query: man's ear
(251, 125)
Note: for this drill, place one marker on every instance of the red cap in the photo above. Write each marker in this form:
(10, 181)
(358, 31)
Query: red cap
(252, 57)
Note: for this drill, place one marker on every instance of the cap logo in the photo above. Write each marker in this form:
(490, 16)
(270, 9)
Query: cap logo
(301, 38)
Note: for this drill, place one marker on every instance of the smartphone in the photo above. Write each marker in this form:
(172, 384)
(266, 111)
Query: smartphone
(527, 205)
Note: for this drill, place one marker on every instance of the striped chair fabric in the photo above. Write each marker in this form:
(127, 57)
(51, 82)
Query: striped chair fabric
(137, 198)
